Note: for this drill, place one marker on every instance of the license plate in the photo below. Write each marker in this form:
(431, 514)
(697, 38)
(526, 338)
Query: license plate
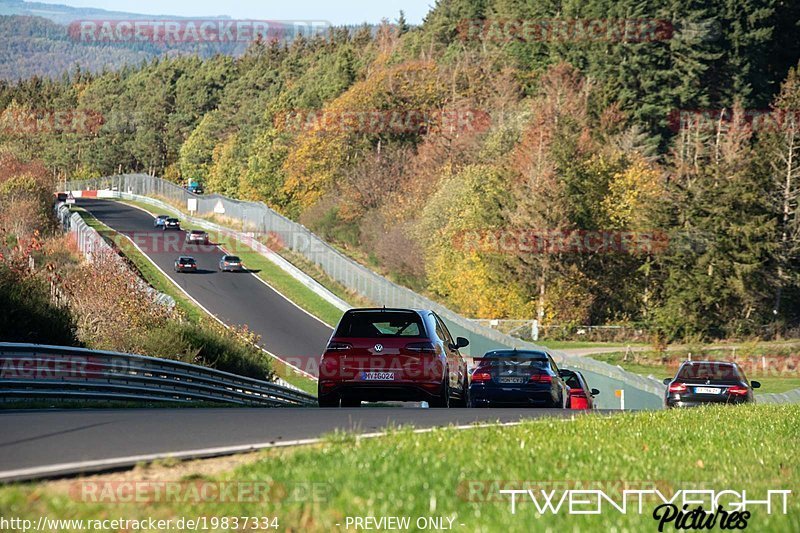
(377, 376)
(510, 380)
(707, 390)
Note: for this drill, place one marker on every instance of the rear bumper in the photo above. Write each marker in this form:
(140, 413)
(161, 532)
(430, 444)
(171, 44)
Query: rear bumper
(230, 268)
(697, 402)
(395, 391)
(513, 396)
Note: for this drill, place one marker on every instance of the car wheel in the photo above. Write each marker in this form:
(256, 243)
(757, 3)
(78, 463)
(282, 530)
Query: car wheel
(443, 400)
(464, 400)
(351, 403)
(328, 400)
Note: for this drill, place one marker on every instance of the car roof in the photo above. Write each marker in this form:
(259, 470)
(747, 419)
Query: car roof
(507, 352)
(407, 309)
(723, 363)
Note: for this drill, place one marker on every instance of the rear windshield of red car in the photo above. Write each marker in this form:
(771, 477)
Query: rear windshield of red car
(710, 371)
(572, 381)
(379, 324)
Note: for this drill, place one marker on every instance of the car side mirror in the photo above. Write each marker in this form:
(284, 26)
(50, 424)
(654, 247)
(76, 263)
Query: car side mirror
(595, 392)
(755, 384)
(667, 380)
(461, 342)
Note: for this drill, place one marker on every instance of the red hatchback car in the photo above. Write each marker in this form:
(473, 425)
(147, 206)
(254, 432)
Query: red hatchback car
(393, 355)
(581, 396)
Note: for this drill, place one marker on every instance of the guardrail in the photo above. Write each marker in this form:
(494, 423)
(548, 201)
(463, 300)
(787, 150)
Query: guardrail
(792, 396)
(641, 392)
(46, 372)
(94, 248)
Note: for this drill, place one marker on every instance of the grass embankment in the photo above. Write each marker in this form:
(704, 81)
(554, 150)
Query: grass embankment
(148, 271)
(457, 474)
(779, 372)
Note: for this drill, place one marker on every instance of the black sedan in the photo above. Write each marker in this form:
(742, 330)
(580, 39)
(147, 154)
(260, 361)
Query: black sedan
(185, 264)
(171, 223)
(518, 378)
(708, 382)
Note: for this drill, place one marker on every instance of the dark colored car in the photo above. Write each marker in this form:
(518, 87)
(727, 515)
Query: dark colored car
(393, 355)
(706, 382)
(171, 223)
(581, 396)
(185, 264)
(518, 378)
(196, 236)
(195, 188)
(230, 263)
(160, 220)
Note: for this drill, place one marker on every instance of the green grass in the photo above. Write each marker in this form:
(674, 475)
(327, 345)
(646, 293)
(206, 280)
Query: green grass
(567, 345)
(162, 283)
(441, 473)
(650, 363)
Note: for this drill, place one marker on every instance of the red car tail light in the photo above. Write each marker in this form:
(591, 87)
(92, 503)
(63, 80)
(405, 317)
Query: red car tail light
(338, 346)
(427, 348)
(481, 377)
(677, 387)
(736, 390)
(540, 378)
(576, 402)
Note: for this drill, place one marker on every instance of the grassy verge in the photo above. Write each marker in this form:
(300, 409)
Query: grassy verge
(162, 283)
(568, 345)
(457, 474)
(665, 365)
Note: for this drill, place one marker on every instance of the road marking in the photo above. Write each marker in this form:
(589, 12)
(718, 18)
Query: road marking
(201, 306)
(265, 282)
(204, 453)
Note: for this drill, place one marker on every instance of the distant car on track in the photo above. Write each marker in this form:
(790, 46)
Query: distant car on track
(160, 220)
(185, 263)
(581, 396)
(196, 236)
(518, 378)
(393, 355)
(230, 263)
(195, 188)
(171, 223)
(708, 382)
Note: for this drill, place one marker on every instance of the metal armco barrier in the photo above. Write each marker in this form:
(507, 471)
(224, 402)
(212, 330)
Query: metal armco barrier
(792, 396)
(242, 217)
(47, 372)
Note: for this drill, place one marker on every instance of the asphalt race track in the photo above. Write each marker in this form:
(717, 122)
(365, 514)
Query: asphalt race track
(236, 298)
(55, 442)
(50, 443)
